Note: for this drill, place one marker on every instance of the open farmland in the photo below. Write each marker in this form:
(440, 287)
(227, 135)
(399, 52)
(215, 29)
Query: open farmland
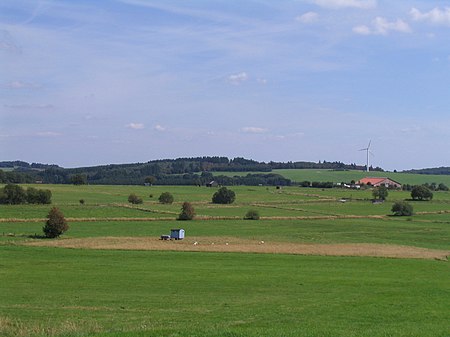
(337, 176)
(311, 266)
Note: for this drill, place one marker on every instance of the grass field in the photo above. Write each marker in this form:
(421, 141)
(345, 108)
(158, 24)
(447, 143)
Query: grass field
(253, 282)
(299, 175)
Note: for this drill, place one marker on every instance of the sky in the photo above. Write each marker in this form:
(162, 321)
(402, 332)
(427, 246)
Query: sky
(85, 82)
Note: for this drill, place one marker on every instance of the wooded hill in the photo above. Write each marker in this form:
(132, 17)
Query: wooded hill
(436, 170)
(181, 171)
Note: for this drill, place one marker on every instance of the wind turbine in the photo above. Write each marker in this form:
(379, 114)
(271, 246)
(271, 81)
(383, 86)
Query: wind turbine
(368, 152)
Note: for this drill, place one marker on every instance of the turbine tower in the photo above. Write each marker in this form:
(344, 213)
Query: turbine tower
(367, 149)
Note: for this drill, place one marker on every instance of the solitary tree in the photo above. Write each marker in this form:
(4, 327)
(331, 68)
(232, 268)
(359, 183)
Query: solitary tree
(402, 208)
(421, 192)
(166, 198)
(187, 211)
(134, 199)
(380, 192)
(223, 196)
(56, 224)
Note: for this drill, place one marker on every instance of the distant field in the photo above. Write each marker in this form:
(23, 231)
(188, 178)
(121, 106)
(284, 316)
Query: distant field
(119, 280)
(347, 176)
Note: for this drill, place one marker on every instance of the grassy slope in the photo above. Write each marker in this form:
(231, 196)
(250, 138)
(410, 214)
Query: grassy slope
(192, 294)
(67, 292)
(347, 176)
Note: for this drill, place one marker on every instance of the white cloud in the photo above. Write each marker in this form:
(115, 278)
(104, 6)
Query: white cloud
(21, 85)
(262, 81)
(159, 128)
(335, 4)
(135, 126)
(48, 134)
(436, 15)
(308, 17)
(253, 129)
(237, 79)
(29, 106)
(381, 26)
(362, 30)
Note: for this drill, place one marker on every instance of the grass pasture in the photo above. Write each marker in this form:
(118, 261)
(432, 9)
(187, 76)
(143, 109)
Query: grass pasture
(110, 276)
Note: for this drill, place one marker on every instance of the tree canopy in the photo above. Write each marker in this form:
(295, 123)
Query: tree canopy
(224, 196)
(421, 192)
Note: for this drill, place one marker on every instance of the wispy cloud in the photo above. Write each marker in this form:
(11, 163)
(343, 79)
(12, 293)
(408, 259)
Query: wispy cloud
(135, 126)
(381, 26)
(159, 128)
(29, 106)
(21, 85)
(238, 78)
(335, 4)
(253, 129)
(308, 17)
(436, 15)
(7, 43)
(48, 134)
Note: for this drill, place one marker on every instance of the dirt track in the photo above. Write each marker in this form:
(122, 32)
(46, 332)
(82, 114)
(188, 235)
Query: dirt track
(221, 244)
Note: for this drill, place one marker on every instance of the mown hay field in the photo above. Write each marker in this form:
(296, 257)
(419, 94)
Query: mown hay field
(313, 265)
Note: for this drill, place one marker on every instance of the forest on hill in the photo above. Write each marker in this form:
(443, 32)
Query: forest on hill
(180, 171)
(435, 170)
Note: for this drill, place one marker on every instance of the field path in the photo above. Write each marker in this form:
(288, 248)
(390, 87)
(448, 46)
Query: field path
(230, 244)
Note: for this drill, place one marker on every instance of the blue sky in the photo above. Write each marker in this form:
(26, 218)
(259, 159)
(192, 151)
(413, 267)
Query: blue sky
(118, 81)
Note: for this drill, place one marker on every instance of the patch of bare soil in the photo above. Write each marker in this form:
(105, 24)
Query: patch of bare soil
(224, 244)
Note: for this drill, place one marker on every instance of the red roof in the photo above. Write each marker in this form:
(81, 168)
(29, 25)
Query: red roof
(379, 181)
(372, 181)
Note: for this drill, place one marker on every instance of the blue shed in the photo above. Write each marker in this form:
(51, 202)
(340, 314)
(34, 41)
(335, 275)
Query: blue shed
(177, 234)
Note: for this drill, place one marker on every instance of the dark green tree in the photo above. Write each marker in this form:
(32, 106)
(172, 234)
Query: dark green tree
(402, 208)
(56, 224)
(166, 198)
(78, 179)
(252, 215)
(38, 196)
(224, 196)
(442, 187)
(187, 211)
(380, 192)
(150, 180)
(421, 192)
(13, 194)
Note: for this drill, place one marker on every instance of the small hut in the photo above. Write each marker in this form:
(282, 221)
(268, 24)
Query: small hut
(177, 234)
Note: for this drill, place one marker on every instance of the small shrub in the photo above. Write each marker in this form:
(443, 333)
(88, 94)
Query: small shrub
(134, 199)
(402, 208)
(81, 201)
(151, 196)
(187, 212)
(166, 198)
(252, 215)
(56, 224)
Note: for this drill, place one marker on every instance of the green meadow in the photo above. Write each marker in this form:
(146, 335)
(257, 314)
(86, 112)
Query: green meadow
(49, 291)
(299, 175)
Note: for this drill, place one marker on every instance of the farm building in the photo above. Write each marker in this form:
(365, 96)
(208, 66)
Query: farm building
(389, 183)
(212, 184)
